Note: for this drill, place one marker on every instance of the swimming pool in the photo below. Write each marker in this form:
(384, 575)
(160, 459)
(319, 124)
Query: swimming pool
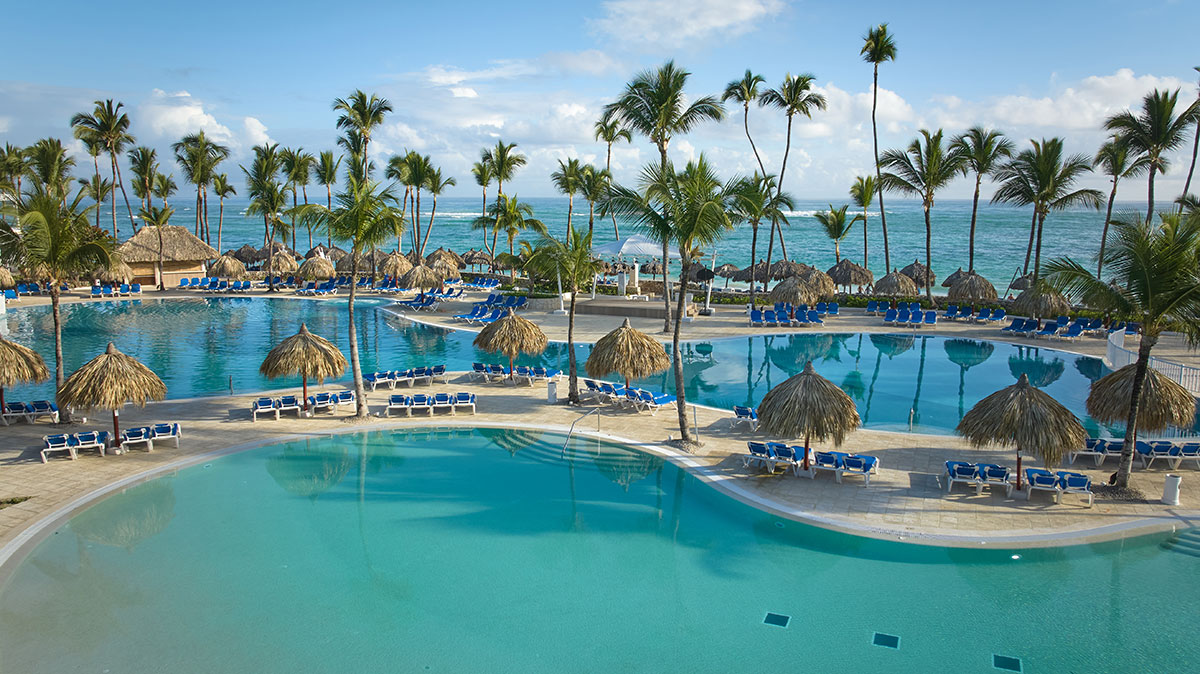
(211, 346)
(476, 550)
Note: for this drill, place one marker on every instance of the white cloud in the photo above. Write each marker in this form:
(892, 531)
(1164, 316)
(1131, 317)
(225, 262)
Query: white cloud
(463, 92)
(255, 131)
(172, 115)
(665, 23)
(590, 62)
(5, 124)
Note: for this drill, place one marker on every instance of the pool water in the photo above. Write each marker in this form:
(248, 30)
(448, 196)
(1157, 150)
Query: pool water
(211, 346)
(478, 550)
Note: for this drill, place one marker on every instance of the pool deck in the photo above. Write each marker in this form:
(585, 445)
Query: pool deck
(905, 501)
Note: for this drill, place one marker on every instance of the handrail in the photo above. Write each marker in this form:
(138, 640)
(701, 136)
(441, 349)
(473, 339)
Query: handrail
(595, 410)
(1117, 356)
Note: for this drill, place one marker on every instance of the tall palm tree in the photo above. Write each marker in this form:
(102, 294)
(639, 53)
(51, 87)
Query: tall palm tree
(223, 189)
(690, 208)
(745, 91)
(198, 158)
(1187, 184)
(611, 131)
(1116, 161)
(756, 199)
(1157, 284)
(58, 238)
(654, 105)
(795, 97)
(482, 172)
(836, 226)
(361, 114)
(982, 150)
(164, 187)
(267, 196)
(97, 189)
(297, 167)
(504, 161)
(511, 216)
(111, 127)
(14, 165)
(398, 172)
(436, 184)
(920, 171)
(566, 180)
(878, 47)
(594, 184)
(326, 171)
(420, 171)
(50, 167)
(1154, 131)
(572, 263)
(306, 163)
(94, 147)
(158, 218)
(862, 192)
(143, 163)
(355, 145)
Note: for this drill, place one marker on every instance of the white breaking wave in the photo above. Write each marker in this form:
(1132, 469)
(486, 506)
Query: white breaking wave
(803, 214)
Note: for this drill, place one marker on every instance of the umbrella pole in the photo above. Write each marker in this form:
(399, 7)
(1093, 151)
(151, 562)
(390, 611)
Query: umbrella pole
(1018, 469)
(304, 385)
(510, 366)
(805, 464)
(116, 429)
(2, 405)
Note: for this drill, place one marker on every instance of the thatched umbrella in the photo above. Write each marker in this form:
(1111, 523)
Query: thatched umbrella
(793, 291)
(628, 352)
(652, 268)
(820, 283)
(19, 365)
(441, 254)
(319, 250)
(1022, 282)
(759, 270)
(421, 277)
(1040, 301)
(785, 268)
(116, 272)
(281, 250)
(246, 254)
(1025, 416)
(726, 271)
(808, 405)
(972, 287)
(109, 381)
(950, 280)
(896, 284)
(395, 265)
(316, 269)
(344, 264)
(281, 264)
(308, 355)
(477, 258)
(227, 266)
(6, 278)
(847, 273)
(1163, 401)
(446, 268)
(511, 336)
(920, 274)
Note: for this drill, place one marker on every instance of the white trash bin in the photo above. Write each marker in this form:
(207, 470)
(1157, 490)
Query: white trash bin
(552, 392)
(1171, 489)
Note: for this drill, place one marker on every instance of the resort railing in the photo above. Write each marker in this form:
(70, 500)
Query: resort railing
(567, 441)
(1117, 357)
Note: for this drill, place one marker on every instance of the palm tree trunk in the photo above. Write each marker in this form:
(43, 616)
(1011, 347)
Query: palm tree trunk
(220, 222)
(1150, 190)
(1112, 197)
(779, 190)
(608, 169)
(1037, 251)
(196, 227)
(417, 221)
(432, 213)
(974, 212)
(1032, 233)
(837, 251)
(270, 251)
(753, 257)
(572, 367)
(162, 280)
(685, 433)
(121, 184)
(207, 231)
(929, 256)
(746, 126)
(591, 217)
(293, 218)
(304, 189)
(662, 151)
(113, 206)
(1139, 379)
(887, 254)
(865, 238)
(360, 392)
(1187, 184)
(570, 212)
(329, 207)
(64, 413)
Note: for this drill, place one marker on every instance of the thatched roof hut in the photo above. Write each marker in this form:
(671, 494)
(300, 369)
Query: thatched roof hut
(281, 250)
(421, 277)
(784, 268)
(452, 258)
(1022, 282)
(19, 364)
(895, 284)
(652, 268)
(116, 272)
(108, 382)
(972, 287)
(1164, 403)
(362, 265)
(395, 265)
(6, 278)
(920, 274)
(793, 291)
(305, 354)
(245, 254)
(1041, 301)
(1027, 417)
(820, 283)
(950, 280)
(477, 258)
(331, 253)
(810, 406)
(726, 270)
(759, 271)
(182, 255)
(847, 273)
(511, 336)
(228, 266)
(630, 353)
(445, 268)
(280, 264)
(316, 269)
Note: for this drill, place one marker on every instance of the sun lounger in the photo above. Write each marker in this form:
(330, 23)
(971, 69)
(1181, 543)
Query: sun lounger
(998, 315)
(1028, 328)
(873, 307)
(890, 316)
(41, 408)
(830, 461)
(1017, 324)
(931, 318)
(442, 401)
(961, 472)
(744, 415)
(543, 374)
(321, 401)
(916, 318)
(1189, 451)
(345, 398)
(813, 318)
(497, 373)
(263, 406)
(759, 455)
(1159, 449)
(779, 454)
(377, 379)
(1075, 483)
(951, 313)
(992, 475)
(398, 402)
(834, 309)
(60, 442)
(438, 373)
(464, 400)
(97, 440)
(591, 389)
(1095, 447)
(652, 402)
(614, 395)
(858, 464)
(1042, 480)
(14, 411)
(288, 404)
(478, 372)
(163, 432)
(1049, 330)
(1072, 332)
(422, 403)
(137, 436)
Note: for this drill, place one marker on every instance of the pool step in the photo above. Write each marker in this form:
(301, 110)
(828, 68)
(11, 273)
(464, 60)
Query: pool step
(1185, 542)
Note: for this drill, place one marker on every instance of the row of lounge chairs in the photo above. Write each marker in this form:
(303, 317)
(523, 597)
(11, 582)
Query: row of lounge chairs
(29, 412)
(214, 284)
(875, 307)
(330, 402)
(417, 375)
(910, 318)
(480, 315)
(1037, 479)
(985, 315)
(123, 290)
(822, 308)
(275, 406)
(31, 289)
(314, 289)
(635, 398)
(770, 318)
(448, 402)
(293, 282)
(73, 443)
(420, 302)
(772, 455)
(498, 301)
(481, 284)
(1174, 454)
(522, 374)
(1065, 328)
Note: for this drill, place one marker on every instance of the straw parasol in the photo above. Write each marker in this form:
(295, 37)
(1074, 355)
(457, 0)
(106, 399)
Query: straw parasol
(477, 258)
(227, 266)
(446, 268)
(245, 254)
(308, 355)
(316, 269)
(652, 268)
(971, 287)
(820, 283)
(344, 264)
(281, 249)
(6, 278)
(1022, 282)
(1025, 416)
(1163, 402)
(441, 254)
(808, 405)
(759, 270)
(785, 268)
(920, 274)
(726, 270)
(950, 280)
(793, 291)
(280, 264)
(19, 365)
(511, 336)
(896, 284)
(1041, 300)
(420, 276)
(109, 381)
(628, 352)
(116, 272)
(847, 273)
(395, 265)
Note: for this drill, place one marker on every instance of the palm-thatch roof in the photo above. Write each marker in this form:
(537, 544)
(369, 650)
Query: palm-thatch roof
(280, 264)
(1026, 417)
(19, 364)
(895, 284)
(246, 254)
(227, 266)
(178, 245)
(445, 268)
(920, 274)
(808, 406)
(818, 281)
(321, 250)
(1163, 402)
(1022, 282)
(305, 354)
(363, 264)
(793, 291)
(971, 287)
(511, 336)
(785, 268)
(477, 257)
(847, 273)
(6, 278)
(759, 270)
(630, 353)
(395, 265)
(316, 269)
(452, 258)
(726, 270)
(950, 280)
(281, 250)
(109, 381)
(652, 268)
(116, 272)
(421, 277)
(1040, 301)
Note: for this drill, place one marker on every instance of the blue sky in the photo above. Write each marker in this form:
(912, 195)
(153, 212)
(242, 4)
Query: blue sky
(463, 74)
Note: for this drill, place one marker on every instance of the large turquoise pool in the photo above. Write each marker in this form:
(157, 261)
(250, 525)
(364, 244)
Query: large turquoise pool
(487, 550)
(210, 346)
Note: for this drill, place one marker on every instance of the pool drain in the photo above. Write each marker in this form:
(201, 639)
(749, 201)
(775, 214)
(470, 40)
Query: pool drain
(1006, 663)
(776, 619)
(886, 640)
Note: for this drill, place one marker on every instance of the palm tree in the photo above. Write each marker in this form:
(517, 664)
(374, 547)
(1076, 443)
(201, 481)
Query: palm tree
(511, 216)
(757, 199)
(571, 262)
(158, 218)
(982, 151)
(436, 184)
(862, 192)
(360, 114)
(97, 189)
(143, 162)
(111, 127)
(326, 171)
(836, 226)
(50, 167)
(1156, 284)
(398, 171)
(58, 238)
(306, 163)
(745, 91)
(267, 196)
(1187, 184)
(593, 187)
(297, 167)
(504, 162)
(1154, 131)
(878, 47)
(653, 104)
(164, 187)
(611, 131)
(198, 158)
(690, 208)
(795, 97)
(482, 171)
(14, 165)
(94, 147)
(920, 171)
(419, 170)
(1115, 160)
(566, 180)
(223, 189)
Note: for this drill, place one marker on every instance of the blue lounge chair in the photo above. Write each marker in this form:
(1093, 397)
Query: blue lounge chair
(1075, 483)
(951, 312)
(15, 411)
(1050, 329)
(858, 464)
(821, 308)
(263, 406)
(873, 307)
(744, 415)
(931, 318)
(653, 402)
(1072, 332)
(759, 454)
(890, 316)
(998, 315)
(59, 442)
(983, 316)
(41, 408)
(11, 294)
(1042, 480)
(1189, 451)
(614, 395)
(442, 401)
(478, 372)
(769, 319)
(961, 472)
(964, 314)
(422, 403)
(592, 389)
(833, 310)
(830, 461)
(169, 431)
(288, 404)
(1028, 328)
(136, 436)
(1095, 447)
(914, 306)
(464, 400)
(902, 316)
(97, 440)
(474, 313)
(916, 318)
(1017, 324)
(814, 318)
(992, 475)
(184, 283)
(398, 402)
(1160, 449)
(801, 320)
(321, 401)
